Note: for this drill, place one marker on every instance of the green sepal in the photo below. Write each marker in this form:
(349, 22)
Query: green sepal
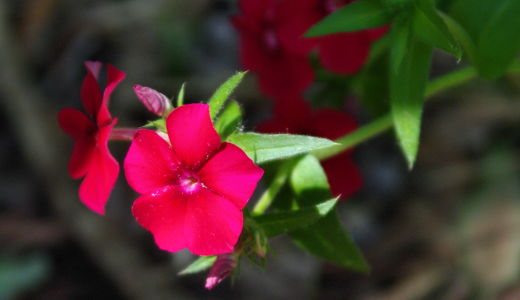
(229, 121)
(262, 148)
(180, 97)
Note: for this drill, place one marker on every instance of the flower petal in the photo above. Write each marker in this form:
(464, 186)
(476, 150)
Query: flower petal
(344, 53)
(90, 91)
(213, 224)
(150, 162)
(101, 177)
(114, 76)
(231, 174)
(332, 124)
(192, 135)
(81, 128)
(163, 212)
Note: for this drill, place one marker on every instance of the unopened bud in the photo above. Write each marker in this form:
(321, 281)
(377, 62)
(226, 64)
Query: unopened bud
(222, 268)
(153, 100)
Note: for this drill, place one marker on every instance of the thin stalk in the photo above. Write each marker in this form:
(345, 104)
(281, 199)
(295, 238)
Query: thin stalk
(267, 198)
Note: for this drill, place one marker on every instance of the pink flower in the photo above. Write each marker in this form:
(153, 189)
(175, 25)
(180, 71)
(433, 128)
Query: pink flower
(90, 156)
(279, 71)
(342, 52)
(294, 115)
(192, 191)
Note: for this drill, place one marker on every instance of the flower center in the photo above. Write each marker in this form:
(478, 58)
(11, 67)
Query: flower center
(270, 40)
(189, 182)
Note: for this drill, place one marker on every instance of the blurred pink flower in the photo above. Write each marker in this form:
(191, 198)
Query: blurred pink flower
(194, 190)
(90, 156)
(294, 115)
(279, 70)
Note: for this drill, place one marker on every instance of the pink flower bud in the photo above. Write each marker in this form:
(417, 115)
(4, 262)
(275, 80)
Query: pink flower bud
(153, 100)
(222, 268)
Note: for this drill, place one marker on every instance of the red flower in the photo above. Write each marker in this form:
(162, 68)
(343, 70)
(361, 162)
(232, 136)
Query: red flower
(294, 115)
(194, 190)
(90, 156)
(341, 52)
(279, 70)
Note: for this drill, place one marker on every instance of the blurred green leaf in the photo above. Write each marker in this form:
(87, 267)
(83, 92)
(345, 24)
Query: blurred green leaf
(400, 33)
(199, 265)
(279, 223)
(262, 148)
(22, 273)
(468, 47)
(221, 95)
(229, 120)
(499, 41)
(430, 27)
(407, 89)
(358, 15)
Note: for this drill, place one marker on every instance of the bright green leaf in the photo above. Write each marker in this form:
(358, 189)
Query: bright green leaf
(229, 120)
(430, 27)
(407, 89)
(159, 124)
(278, 223)
(499, 41)
(267, 147)
(201, 264)
(221, 95)
(358, 15)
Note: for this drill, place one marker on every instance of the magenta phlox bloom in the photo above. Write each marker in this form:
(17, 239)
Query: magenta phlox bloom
(193, 189)
(90, 131)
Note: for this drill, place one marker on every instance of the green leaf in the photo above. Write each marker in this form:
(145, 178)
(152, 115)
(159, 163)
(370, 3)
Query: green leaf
(499, 41)
(407, 89)
(474, 16)
(201, 264)
(221, 95)
(180, 97)
(358, 15)
(159, 124)
(430, 27)
(278, 223)
(325, 238)
(400, 33)
(229, 120)
(467, 44)
(262, 148)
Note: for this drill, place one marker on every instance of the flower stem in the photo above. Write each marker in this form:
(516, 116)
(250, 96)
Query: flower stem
(122, 134)
(384, 123)
(275, 186)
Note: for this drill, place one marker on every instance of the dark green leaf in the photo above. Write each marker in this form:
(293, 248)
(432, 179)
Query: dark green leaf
(473, 15)
(400, 33)
(358, 15)
(407, 89)
(467, 44)
(325, 238)
(430, 27)
(229, 120)
(499, 41)
(201, 264)
(267, 147)
(221, 95)
(278, 223)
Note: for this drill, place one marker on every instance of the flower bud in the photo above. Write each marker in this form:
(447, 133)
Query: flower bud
(222, 268)
(153, 100)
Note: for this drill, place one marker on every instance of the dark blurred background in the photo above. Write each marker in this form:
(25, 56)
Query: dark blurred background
(449, 229)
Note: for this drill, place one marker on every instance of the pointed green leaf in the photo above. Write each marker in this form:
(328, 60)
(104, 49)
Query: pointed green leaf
(278, 223)
(358, 15)
(474, 16)
(221, 95)
(499, 41)
(267, 147)
(229, 120)
(467, 44)
(201, 264)
(400, 33)
(430, 26)
(407, 89)
(180, 97)
(325, 238)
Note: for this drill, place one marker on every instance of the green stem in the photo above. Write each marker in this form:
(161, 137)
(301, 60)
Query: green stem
(384, 123)
(277, 183)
